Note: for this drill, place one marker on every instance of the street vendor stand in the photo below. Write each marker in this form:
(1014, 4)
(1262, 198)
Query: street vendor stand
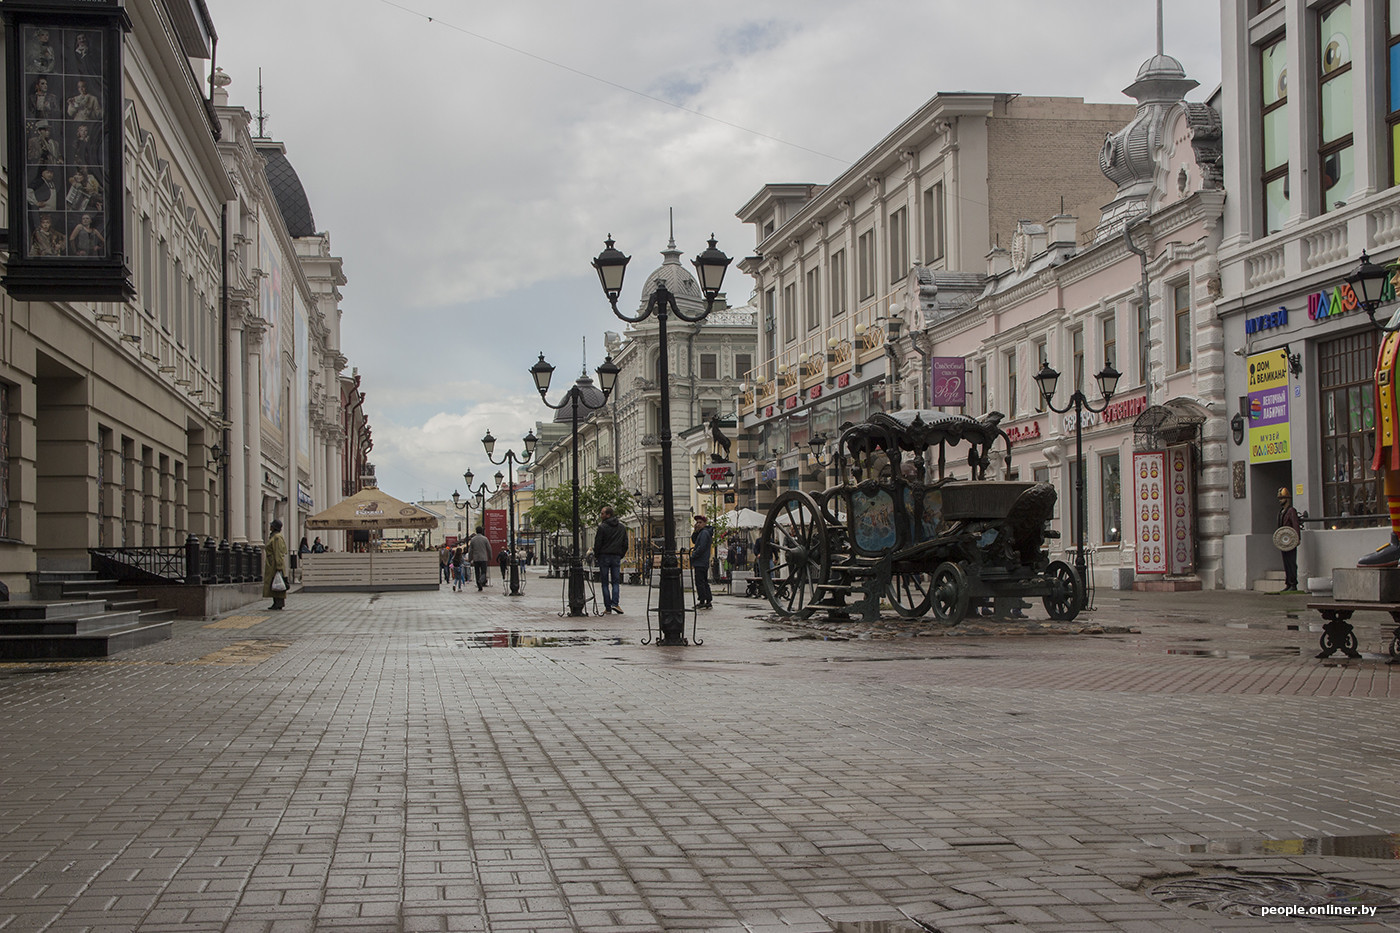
(373, 571)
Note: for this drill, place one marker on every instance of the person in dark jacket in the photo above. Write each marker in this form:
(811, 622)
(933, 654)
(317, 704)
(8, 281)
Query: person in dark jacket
(701, 540)
(609, 545)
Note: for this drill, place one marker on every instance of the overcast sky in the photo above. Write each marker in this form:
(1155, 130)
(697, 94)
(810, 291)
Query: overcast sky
(469, 157)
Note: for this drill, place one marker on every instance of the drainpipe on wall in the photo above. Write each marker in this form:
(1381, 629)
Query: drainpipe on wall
(223, 361)
(1146, 303)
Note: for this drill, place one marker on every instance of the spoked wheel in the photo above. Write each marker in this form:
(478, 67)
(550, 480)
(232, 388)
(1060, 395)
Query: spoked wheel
(796, 554)
(911, 594)
(1066, 596)
(949, 593)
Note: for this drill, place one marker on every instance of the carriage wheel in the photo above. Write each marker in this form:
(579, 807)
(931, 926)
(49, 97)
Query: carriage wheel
(1066, 596)
(797, 556)
(949, 593)
(911, 594)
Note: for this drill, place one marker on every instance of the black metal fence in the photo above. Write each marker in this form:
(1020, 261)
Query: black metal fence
(193, 563)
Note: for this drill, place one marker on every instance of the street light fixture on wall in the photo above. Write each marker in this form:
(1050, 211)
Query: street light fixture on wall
(1107, 379)
(542, 372)
(512, 459)
(1368, 282)
(710, 266)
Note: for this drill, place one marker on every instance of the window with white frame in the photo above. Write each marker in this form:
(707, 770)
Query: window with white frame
(865, 265)
(1076, 345)
(811, 298)
(1111, 499)
(899, 244)
(1144, 340)
(709, 366)
(982, 397)
(1181, 315)
(1335, 148)
(933, 224)
(1042, 357)
(743, 364)
(1108, 327)
(1011, 387)
(839, 297)
(1273, 81)
(789, 313)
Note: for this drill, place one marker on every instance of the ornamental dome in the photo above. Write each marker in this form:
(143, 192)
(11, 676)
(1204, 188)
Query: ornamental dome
(592, 397)
(287, 190)
(677, 278)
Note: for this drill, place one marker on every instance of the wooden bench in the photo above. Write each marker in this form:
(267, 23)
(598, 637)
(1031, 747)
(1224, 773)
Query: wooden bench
(1338, 634)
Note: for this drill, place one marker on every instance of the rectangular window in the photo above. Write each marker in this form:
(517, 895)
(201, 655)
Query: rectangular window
(770, 310)
(1392, 18)
(1346, 390)
(838, 280)
(1181, 302)
(743, 365)
(865, 264)
(1011, 387)
(1273, 75)
(1335, 99)
(148, 275)
(162, 284)
(899, 245)
(709, 366)
(1109, 328)
(179, 301)
(1111, 494)
(1042, 357)
(1144, 336)
(811, 298)
(789, 313)
(982, 387)
(933, 222)
(1076, 343)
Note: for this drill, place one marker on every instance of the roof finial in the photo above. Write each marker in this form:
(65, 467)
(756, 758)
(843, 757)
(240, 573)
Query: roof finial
(671, 213)
(1160, 46)
(261, 114)
(584, 371)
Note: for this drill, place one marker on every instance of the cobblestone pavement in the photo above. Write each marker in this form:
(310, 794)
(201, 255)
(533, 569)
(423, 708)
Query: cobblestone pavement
(443, 761)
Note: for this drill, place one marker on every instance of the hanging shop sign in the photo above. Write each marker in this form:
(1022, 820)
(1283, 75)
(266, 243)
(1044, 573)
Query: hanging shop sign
(67, 197)
(1269, 439)
(304, 499)
(949, 381)
(1023, 432)
(720, 473)
(1150, 512)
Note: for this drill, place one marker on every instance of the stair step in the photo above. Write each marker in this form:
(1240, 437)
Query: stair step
(158, 615)
(1269, 585)
(41, 609)
(88, 645)
(123, 605)
(88, 624)
(110, 593)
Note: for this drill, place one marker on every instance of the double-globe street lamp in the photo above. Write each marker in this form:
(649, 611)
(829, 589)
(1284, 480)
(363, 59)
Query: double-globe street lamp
(575, 399)
(710, 267)
(1107, 379)
(511, 458)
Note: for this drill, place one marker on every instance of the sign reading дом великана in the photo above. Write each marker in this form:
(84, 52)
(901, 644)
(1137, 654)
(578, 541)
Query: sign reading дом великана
(1269, 428)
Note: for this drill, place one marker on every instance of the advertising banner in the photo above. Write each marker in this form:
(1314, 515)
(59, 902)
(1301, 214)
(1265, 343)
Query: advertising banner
(1181, 558)
(949, 381)
(1150, 511)
(1269, 439)
(496, 522)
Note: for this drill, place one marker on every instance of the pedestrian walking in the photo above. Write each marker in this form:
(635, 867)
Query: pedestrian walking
(459, 569)
(503, 559)
(1288, 518)
(609, 546)
(701, 540)
(479, 553)
(275, 566)
(445, 558)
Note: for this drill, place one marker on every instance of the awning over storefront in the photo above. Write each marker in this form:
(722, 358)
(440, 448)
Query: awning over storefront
(1175, 421)
(371, 509)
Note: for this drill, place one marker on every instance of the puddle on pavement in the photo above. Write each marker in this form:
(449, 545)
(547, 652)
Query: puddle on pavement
(882, 926)
(1373, 847)
(516, 639)
(1249, 654)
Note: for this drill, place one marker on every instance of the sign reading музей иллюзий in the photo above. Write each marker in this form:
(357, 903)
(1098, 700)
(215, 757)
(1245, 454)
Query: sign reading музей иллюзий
(64, 112)
(1269, 439)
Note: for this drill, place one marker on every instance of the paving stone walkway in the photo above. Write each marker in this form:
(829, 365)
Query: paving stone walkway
(444, 761)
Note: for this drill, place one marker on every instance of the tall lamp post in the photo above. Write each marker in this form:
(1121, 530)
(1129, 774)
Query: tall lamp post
(1107, 379)
(510, 458)
(710, 267)
(647, 502)
(542, 372)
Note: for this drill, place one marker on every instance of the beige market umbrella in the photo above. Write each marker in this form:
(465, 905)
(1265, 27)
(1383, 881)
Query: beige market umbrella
(371, 508)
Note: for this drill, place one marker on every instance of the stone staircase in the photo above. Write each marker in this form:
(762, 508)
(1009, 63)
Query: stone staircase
(1271, 582)
(76, 614)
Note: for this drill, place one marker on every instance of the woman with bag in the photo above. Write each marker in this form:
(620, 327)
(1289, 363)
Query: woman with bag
(275, 566)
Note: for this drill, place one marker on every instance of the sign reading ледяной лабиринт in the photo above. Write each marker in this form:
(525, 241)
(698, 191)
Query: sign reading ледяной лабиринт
(1268, 407)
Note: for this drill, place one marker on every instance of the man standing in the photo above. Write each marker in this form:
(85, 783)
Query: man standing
(700, 540)
(1288, 518)
(609, 544)
(479, 553)
(445, 563)
(275, 562)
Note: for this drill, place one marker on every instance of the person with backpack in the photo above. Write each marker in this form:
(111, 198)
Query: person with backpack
(609, 546)
(479, 553)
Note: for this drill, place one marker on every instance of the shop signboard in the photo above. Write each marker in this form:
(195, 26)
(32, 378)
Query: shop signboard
(949, 381)
(1269, 439)
(1150, 512)
(495, 521)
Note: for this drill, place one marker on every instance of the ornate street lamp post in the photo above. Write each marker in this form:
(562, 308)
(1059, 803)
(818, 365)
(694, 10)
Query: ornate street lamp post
(574, 398)
(1107, 379)
(647, 502)
(512, 459)
(710, 267)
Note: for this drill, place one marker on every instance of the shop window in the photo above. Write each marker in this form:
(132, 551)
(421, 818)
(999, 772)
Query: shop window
(1335, 99)
(1351, 495)
(1273, 79)
(1111, 495)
